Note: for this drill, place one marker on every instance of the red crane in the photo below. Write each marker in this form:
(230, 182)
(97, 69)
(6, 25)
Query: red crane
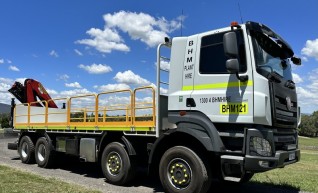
(30, 91)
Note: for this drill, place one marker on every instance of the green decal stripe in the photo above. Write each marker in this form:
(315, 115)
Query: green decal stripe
(80, 128)
(217, 85)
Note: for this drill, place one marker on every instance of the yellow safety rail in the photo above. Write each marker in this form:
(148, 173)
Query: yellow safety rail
(120, 122)
(39, 117)
(145, 120)
(93, 115)
(53, 121)
(81, 123)
(18, 116)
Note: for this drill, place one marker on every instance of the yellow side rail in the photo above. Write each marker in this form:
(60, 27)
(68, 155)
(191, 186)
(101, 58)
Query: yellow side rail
(95, 114)
(115, 121)
(143, 106)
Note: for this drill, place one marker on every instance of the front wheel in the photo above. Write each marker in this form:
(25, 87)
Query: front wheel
(116, 164)
(182, 171)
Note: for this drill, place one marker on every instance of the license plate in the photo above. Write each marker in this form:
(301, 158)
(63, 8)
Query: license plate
(292, 156)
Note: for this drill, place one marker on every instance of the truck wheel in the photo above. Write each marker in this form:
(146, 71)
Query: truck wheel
(182, 171)
(116, 165)
(26, 150)
(43, 153)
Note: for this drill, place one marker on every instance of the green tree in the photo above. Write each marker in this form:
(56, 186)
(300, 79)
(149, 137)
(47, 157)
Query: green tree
(4, 120)
(309, 125)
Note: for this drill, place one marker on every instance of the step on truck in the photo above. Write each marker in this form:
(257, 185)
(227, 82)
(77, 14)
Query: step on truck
(231, 110)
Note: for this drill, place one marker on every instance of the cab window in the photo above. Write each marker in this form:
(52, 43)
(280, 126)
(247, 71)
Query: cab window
(212, 57)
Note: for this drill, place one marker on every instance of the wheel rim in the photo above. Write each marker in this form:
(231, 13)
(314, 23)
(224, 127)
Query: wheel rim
(114, 163)
(41, 152)
(24, 150)
(179, 173)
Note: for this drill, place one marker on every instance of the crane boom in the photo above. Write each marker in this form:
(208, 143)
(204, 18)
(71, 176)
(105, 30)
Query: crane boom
(30, 91)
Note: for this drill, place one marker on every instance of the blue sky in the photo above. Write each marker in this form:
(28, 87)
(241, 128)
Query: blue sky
(77, 47)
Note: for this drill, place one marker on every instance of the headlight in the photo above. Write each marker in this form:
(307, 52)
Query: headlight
(260, 146)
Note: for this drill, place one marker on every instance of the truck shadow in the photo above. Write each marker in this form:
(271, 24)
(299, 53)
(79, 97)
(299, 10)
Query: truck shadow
(93, 170)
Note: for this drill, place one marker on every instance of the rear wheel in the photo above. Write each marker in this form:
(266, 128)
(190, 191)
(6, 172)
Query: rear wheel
(26, 150)
(43, 153)
(116, 164)
(182, 171)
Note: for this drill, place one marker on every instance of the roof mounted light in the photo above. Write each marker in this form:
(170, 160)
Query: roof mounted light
(234, 24)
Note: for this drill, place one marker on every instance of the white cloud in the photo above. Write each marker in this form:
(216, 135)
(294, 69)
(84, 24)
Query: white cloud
(104, 40)
(96, 68)
(311, 49)
(142, 26)
(69, 93)
(64, 77)
(54, 54)
(164, 65)
(52, 92)
(73, 85)
(21, 80)
(14, 68)
(163, 91)
(139, 26)
(1, 60)
(308, 94)
(297, 78)
(128, 77)
(111, 87)
(78, 52)
(6, 80)
(9, 61)
(5, 85)
(304, 59)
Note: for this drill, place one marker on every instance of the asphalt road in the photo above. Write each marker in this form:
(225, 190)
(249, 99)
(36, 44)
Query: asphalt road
(90, 176)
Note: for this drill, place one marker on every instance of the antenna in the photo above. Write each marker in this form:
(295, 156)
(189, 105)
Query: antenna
(238, 3)
(181, 21)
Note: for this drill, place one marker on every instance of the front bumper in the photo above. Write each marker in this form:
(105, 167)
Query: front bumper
(261, 164)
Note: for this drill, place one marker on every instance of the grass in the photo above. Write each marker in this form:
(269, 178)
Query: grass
(301, 176)
(16, 181)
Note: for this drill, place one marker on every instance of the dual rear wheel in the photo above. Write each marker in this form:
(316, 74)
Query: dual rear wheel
(41, 152)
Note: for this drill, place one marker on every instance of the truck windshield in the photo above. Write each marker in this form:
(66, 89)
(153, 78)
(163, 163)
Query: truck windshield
(270, 56)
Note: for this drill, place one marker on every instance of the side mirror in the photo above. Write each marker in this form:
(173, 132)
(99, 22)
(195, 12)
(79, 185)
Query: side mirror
(296, 60)
(230, 45)
(232, 66)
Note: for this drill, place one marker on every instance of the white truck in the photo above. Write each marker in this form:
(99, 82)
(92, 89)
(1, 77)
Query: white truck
(231, 111)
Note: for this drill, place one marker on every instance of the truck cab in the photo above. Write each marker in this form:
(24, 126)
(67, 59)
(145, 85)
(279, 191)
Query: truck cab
(234, 86)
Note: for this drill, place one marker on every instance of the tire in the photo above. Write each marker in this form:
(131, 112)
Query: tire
(43, 153)
(26, 150)
(116, 164)
(182, 171)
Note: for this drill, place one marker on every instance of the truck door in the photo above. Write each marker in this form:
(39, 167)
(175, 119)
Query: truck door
(189, 70)
(219, 95)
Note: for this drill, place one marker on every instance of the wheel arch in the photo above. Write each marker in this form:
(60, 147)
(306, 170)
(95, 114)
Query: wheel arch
(197, 140)
(109, 137)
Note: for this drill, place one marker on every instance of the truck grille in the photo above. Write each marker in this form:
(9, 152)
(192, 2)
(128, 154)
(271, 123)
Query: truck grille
(285, 139)
(285, 117)
(284, 105)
